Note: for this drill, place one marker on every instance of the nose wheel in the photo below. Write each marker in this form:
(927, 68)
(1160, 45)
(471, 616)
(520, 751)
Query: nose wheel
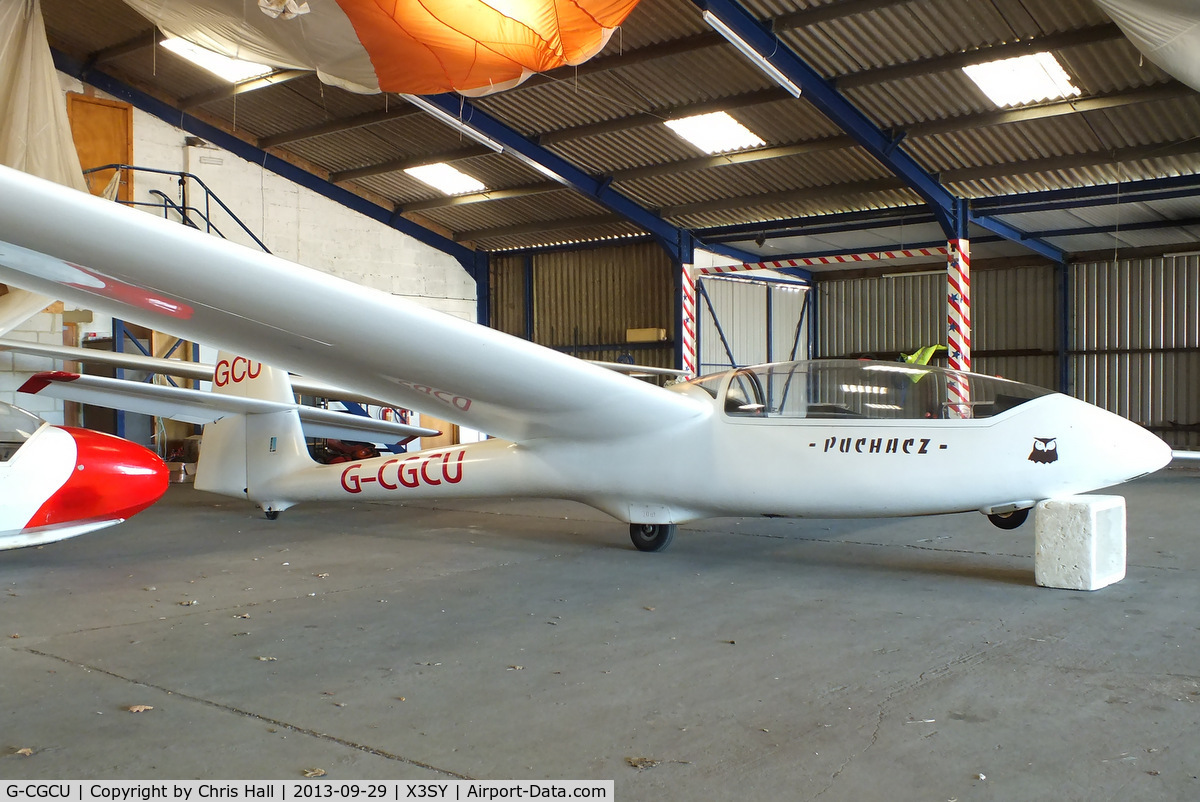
(651, 537)
(1009, 520)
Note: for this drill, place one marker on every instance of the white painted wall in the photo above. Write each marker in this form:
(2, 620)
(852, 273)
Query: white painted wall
(292, 221)
(297, 223)
(44, 328)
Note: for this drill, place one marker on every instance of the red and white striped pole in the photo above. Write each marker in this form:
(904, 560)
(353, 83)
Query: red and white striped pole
(688, 313)
(958, 319)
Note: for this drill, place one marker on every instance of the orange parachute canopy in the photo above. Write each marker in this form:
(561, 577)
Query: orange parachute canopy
(477, 46)
(406, 46)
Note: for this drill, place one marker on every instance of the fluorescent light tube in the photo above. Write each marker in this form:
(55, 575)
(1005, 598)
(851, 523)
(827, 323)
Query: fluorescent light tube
(234, 70)
(749, 52)
(452, 121)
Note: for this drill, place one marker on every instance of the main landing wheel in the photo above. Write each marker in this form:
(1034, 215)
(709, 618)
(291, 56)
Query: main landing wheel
(1009, 520)
(651, 537)
(271, 514)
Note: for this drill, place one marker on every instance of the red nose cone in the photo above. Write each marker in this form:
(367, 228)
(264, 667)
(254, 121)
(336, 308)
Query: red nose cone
(112, 479)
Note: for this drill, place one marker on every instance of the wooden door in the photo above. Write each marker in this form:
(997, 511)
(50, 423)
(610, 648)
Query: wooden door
(103, 134)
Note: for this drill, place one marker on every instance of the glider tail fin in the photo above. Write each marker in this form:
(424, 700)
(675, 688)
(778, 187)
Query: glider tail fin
(241, 455)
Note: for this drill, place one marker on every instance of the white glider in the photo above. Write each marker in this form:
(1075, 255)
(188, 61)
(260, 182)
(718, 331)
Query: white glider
(833, 438)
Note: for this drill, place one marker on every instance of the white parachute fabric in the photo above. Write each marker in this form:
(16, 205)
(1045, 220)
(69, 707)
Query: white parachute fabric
(35, 134)
(1166, 31)
(321, 39)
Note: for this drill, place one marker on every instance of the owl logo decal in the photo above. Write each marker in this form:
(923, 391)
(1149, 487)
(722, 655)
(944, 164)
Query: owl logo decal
(1045, 449)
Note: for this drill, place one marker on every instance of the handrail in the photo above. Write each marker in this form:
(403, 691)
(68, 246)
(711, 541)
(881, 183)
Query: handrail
(184, 212)
(183, 178)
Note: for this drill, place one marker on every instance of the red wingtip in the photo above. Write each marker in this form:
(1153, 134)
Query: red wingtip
(40, 381)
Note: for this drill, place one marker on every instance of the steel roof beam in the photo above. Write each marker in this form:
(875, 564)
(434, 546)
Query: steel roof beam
(826, 99)
(1116, 229)
(560, 224)
(479, 197)
(1185, 186)
(800, 19)
(701, 41)
(251, 85)
(1152, 189)
(953, 61)
(339, 125)
(1166, 91)
(949, 177)
(1176, 187)
(537, 157)
(139, 41)
(396, 165)
(836, 223)
(659, 116)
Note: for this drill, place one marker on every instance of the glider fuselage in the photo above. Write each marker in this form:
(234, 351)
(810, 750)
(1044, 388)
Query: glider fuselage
(763, 457)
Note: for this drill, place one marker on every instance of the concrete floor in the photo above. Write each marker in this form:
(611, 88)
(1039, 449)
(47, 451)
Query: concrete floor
(911, 659)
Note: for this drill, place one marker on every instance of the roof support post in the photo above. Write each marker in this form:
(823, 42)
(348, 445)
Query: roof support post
(683, 257)
(479, 266)
(1063, 313)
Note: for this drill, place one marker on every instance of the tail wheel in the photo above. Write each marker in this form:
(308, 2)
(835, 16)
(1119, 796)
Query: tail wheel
(651, 537)
(1009, 520)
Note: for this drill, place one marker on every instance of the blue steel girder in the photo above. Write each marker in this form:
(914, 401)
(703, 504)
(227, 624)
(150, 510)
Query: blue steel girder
(949, 211)
(674, 240)
(1038, 246)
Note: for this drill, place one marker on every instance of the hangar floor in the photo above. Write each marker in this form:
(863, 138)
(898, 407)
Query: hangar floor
(755, 659)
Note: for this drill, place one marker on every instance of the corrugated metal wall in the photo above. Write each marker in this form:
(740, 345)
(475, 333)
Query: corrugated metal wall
(759, 322)
(584, 301)
(1136, 342)
(1133, 339)
(1015, 329)
(880, 317)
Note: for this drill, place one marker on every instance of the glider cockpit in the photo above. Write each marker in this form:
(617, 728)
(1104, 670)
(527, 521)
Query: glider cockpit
(858, 389)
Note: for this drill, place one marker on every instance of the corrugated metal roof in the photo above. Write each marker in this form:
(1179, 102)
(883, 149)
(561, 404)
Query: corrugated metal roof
(664, 60)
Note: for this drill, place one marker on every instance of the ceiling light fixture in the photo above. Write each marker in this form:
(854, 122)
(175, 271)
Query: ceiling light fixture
(1022, 80)
(454, 122)
(445, 178)
(234, 70)
(715, 132)
(749, 52)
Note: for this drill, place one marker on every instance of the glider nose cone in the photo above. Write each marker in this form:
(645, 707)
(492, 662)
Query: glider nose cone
(1147, 452)
(1120, 449)
(113, 479)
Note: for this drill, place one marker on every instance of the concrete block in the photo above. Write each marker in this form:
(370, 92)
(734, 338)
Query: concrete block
(1080, 542)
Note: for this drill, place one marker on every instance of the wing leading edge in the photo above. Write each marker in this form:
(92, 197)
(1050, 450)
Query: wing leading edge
(160, 274)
